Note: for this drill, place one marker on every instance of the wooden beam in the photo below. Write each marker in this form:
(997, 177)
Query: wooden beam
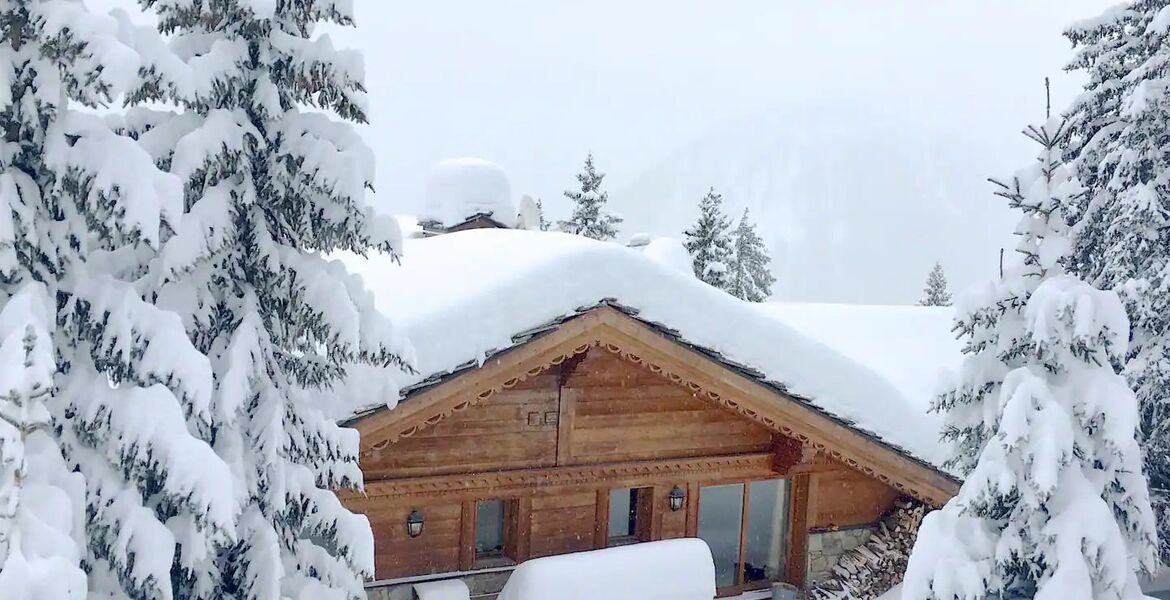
(692, 509)
(796, 566)
(467, 536)
(567, 408)
(601, 520)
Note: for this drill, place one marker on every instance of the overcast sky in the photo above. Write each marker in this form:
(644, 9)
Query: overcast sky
(536, 84)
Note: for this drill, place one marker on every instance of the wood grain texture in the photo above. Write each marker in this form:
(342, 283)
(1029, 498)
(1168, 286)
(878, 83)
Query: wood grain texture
(846, 498)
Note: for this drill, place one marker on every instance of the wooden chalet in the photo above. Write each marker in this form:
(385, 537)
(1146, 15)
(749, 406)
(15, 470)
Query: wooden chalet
(601, 428)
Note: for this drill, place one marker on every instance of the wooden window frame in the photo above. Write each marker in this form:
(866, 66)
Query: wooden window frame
(644, 514)
(512, 550)
(797, 544)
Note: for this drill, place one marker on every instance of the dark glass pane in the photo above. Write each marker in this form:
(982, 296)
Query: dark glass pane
(720, 519)
(621, 523)
(767, 530)
(489, 526)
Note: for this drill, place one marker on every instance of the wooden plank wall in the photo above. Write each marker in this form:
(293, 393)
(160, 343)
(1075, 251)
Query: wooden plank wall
(845, 498)
(515, 429)
(397, 554)
(562, 523)
(622, 412)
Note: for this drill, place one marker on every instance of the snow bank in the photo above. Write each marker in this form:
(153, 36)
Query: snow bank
(463, 296)
(666, 251)
(666, 570)
(461, 188)
(448, 589)
(911, 347)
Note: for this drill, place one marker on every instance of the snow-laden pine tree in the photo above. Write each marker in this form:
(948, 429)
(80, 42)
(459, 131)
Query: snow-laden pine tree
(709, 242)
(42, 503)
(275, 178)
(1054, 504)
(935, 293)
(543, 223)
(1121, 151)
(81, 210)
(750, 277)
(589, 217)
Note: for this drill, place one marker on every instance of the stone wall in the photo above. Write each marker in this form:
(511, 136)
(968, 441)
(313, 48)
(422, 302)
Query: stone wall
(825, 548)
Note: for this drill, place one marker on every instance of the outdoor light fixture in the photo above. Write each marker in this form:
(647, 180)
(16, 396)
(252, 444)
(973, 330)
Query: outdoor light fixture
(676, 498)
(414, 523)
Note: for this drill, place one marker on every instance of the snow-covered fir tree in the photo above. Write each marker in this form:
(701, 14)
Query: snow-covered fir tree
(1121, 124)
(544, 223)
(1054, 503)
(750, 277)
(275, 177)
(81, 209)
(531, 215)
(709, 242)
(41, 500)
(589, 217)
(935, 293)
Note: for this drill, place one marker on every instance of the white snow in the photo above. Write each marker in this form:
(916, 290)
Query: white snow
(477, 289)
(667, 251)
(461, 188)
(911, 347)
(665, 570)
(447, 589)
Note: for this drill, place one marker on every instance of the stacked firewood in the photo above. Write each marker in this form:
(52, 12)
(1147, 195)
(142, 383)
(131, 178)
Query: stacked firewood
(876, 566)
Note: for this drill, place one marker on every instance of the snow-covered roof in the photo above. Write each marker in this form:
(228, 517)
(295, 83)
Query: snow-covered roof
(466, 296)
(460, 189)
(911, 347)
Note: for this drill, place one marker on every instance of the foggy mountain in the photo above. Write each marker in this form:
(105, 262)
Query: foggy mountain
(855, 206)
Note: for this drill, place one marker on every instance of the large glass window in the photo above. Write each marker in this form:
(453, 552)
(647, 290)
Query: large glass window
(489, 528)
(746, 527)
(720, 524)
(767, 530)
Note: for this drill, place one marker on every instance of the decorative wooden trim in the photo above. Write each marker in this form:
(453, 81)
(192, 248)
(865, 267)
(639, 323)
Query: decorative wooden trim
(467, 536)
(796, 566)
(601, 476)
(638, 343)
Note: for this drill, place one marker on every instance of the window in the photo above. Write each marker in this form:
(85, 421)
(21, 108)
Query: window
(629, 515)
(489, 529)
(767, 531)
(746, 527)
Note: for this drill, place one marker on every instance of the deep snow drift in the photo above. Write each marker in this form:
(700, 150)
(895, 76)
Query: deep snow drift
(474, 290)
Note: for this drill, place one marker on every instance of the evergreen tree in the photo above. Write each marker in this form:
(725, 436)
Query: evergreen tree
(1121, 151)
(1053, 504)
(81, 209)
(935, 293)
(531, 215)
(544, 223)
(272, 184)
(750, 278)
(709, 242)
(588, 218)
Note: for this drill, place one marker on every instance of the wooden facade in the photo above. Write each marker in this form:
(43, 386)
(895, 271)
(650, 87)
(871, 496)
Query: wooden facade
(546, 437)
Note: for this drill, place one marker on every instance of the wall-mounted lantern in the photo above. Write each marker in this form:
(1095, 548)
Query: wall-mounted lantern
(414, 524)
(676, 498)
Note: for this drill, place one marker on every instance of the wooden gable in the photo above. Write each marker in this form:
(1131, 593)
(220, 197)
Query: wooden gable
(598, 409)
(510, 412)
